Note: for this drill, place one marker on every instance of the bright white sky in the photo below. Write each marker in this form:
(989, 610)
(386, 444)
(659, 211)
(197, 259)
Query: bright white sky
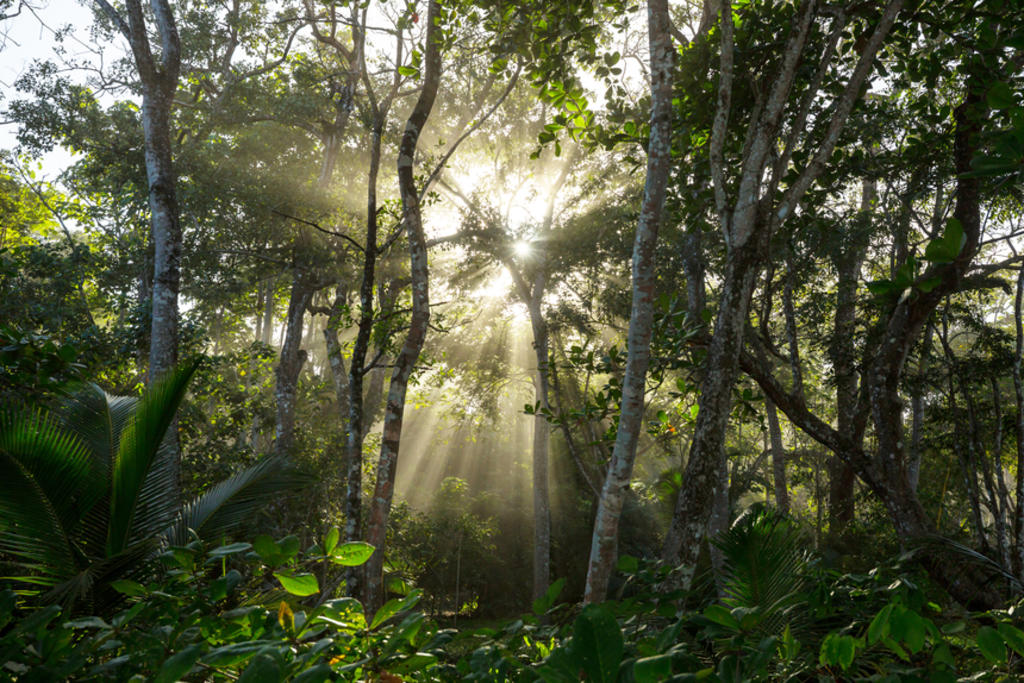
(29, 37)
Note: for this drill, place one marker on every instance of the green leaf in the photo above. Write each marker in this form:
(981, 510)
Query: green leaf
(331, 542)
(266, 548)
(352, 554)
(263, 669)
(1013, 636)
(597, 641)
(721, 616)
(653, 669)
(1000, 96)
(393, 607)
(316, 674)
(232, 549)
(419, 661)
(236, 653)
(176, 666)
(992, 645)
(298, 584)
(128, 587)
(408, 71)
(542, 604)
(879, 627)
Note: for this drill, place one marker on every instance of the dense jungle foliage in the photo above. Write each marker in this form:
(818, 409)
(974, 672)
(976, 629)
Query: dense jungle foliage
(414, 340)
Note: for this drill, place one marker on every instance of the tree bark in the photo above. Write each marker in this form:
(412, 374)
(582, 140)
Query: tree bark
(1018, 427)
(290, 363)
(604, 546)
(159, 80)
(380, 506)
(778, 458)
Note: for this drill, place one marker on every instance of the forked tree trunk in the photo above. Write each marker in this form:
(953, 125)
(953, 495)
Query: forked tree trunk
(604, 546)
(384, 489)
(747, 225)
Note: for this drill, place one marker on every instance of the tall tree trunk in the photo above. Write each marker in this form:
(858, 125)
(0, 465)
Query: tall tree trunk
(704, 474)
(290, 364)
(159, 79)
(541, 440)
(384, 489)
(604, 546)
(357, 365)
(844, 361)
(1018, 426)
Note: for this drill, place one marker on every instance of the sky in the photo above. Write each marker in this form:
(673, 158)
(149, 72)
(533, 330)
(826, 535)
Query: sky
(29, 37)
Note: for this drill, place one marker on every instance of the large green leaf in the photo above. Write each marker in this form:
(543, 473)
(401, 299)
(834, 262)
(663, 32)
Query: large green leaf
(597, 642)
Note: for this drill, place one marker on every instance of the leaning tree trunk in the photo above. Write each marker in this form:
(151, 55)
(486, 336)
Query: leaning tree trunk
(384, 490)
(704, 473)
(604, 546)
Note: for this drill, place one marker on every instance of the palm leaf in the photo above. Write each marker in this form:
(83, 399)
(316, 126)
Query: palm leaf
(133, 473)
(48, 482)
(232, 503)
(766, 566)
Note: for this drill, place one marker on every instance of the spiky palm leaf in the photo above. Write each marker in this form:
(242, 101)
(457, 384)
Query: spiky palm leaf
(766, 566)
(231, 503)
(87, 497)
(48, 482)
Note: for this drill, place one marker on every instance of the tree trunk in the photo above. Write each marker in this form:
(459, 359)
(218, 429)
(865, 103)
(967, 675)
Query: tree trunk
(357, 365)
(380, 506)
(1018, 427)
(159, 82)
(290, 364)
(778, 458)
(541, 440)
(848, 264)
(335, 361)
(703, 473)
(604, 546)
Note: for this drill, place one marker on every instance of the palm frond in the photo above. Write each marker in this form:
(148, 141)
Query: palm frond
(226, 507)
(47, 484)
(137, 452)
(766, 565)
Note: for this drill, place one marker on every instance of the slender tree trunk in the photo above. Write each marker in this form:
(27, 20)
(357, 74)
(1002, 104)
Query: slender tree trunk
(335, 360)
(380, 506)
(541, 440)
(290, 364)
(604, 546)
(844, 362)
(778, 458)
(357, 365)
(1018, 427)
(703, 473)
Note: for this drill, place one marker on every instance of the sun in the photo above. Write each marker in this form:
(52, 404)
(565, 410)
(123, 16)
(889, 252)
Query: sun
(522, 248)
